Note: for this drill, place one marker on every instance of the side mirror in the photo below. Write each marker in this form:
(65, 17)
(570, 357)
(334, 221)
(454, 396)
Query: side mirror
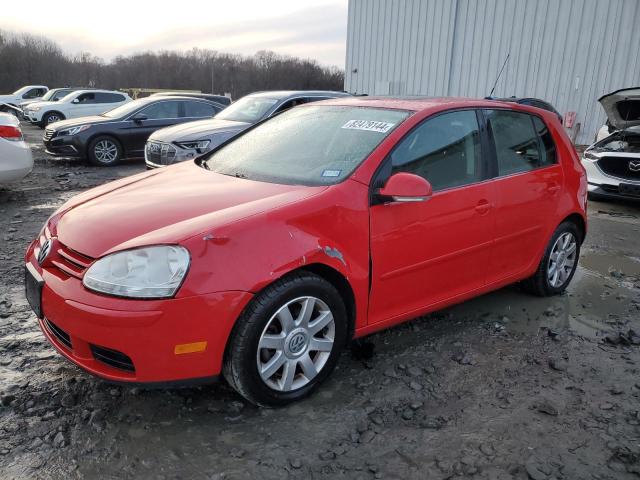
(405, 187)
(75, 100)
(140, 117)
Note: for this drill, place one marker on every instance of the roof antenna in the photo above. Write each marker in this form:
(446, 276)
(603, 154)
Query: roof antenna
(499, 73)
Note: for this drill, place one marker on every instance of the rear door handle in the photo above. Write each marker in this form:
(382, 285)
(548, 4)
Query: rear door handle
(483, 207)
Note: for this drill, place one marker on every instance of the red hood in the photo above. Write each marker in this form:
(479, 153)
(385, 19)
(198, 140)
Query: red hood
(164, 206)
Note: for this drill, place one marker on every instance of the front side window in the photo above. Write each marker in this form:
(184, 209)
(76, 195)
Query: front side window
(444, 150)
(86, 98)
(311, 145)
(516, 141)
(161, 110)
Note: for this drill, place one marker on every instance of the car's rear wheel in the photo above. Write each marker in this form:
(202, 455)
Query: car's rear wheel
(105, 151)
(51, 117)
(559, 263)
(287, 341)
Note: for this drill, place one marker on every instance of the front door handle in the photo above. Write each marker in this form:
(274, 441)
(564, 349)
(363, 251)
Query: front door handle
(483, 207)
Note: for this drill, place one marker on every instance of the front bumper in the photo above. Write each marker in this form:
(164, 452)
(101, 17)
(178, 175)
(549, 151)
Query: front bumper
(136, 341)
(66, 146)
(604, 185)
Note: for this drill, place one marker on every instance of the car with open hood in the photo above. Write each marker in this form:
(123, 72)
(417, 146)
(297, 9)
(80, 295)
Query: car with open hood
(613, 163)
(9, 103)
(186, 142)
(261, 260)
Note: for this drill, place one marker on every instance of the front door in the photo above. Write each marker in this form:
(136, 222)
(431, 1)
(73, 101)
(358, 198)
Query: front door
(158, 115)
(426, 253)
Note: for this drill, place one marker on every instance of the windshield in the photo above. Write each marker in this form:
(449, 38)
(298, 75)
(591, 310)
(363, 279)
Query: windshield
(125, 109)
(309, 145)
(248, 109)
(48, 95)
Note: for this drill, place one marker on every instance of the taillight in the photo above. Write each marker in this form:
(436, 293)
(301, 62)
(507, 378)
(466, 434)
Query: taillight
(10, 133)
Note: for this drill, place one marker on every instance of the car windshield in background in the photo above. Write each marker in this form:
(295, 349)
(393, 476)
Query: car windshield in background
(247, 109)
(47, 96)
(311, 145)
(125, 109)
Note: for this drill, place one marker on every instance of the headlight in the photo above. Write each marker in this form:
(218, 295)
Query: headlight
(73, 130)
(150, 272)
(590, 156)
(34, 109)
(199, 145)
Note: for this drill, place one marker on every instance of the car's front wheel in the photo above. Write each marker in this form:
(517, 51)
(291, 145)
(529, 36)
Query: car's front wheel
(559, 263)
(104, 151)
(287, 341)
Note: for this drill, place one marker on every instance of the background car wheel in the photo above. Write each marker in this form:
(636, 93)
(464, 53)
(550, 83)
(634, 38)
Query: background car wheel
(51, 117)
(559, 263)
(287, 341)
(104, 151)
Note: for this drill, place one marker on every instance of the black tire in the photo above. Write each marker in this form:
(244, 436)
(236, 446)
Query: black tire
(51, 117)
(539, 284)
(96, 155)
(240, 365)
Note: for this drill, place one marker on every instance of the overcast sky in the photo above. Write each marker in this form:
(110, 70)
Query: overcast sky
(306, 28)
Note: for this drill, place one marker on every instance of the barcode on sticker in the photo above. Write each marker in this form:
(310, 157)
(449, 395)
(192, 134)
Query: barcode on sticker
(369, 125)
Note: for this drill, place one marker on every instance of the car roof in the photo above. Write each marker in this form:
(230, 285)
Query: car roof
(166, 98)
(417, 103)
(284, 94)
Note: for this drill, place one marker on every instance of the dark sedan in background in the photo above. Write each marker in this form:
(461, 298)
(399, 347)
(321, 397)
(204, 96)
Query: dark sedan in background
(185, 142)
(122, 132)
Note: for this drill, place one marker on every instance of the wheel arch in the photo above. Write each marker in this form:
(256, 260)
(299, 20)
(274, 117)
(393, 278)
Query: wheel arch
(48, 112)
(579, 221)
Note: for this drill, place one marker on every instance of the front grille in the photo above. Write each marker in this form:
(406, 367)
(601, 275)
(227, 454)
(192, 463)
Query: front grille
(62, 336)
(66, 259)
(48, 134)
(71, 262)
(620, 167)
(113, 358)
(160, 153)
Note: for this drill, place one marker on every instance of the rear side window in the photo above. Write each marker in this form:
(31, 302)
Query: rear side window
(548, 145)
(102, 97)
(445, 150)
(199, 110)
(516, 141)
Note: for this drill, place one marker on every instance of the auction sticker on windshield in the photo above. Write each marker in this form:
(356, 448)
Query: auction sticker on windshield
(369, 125)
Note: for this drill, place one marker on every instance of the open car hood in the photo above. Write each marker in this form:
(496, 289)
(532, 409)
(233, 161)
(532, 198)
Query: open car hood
(622, 107)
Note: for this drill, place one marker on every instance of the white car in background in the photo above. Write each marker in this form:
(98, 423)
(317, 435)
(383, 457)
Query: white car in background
(15, 155)
(80, 103)
(613, 163)
(9, 103)
(52, 95)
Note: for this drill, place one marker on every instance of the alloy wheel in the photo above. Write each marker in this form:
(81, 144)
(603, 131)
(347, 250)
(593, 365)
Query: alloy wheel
(562, 260)
(105, 151)
(296, 344)
(53, 119)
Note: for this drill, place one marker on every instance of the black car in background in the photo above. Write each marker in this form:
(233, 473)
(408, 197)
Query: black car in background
(122, 132)
(225, 101)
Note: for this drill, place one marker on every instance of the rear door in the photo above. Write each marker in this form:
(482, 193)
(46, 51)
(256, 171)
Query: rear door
(425, 253)
(528, 180)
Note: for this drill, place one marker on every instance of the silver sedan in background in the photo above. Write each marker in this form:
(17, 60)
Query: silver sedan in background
(190, 140)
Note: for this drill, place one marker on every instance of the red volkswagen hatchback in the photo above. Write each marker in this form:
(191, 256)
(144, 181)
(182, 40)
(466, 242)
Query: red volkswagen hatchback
(261, 260)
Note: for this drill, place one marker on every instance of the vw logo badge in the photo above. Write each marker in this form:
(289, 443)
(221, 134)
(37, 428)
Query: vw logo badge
(297, 343)
(634, 165)
(44, 252)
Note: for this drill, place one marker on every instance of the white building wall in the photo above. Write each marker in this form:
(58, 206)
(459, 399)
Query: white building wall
(568, 52)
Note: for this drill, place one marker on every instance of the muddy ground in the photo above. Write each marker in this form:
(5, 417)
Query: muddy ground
(506, 386)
